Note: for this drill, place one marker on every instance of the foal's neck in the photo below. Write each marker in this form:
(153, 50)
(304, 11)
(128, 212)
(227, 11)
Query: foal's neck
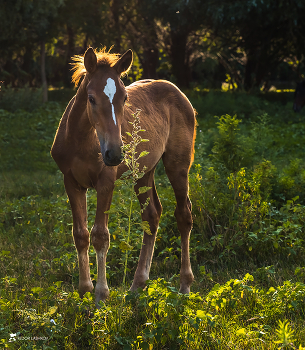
(78, 122)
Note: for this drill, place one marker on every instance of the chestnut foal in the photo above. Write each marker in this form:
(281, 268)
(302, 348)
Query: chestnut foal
(88, 150)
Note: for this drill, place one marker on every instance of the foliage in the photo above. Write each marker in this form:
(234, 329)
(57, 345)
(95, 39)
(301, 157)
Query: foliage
(250, 55)
(247, 243)
(236, 196)
(234, 312)
(25, 98)
(26, 137)
(247, 44)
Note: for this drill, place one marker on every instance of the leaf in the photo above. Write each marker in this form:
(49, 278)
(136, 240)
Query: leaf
(5, 253)
(128, 133)
(144, 140)
(119, 339)
(111, 211)
(37, 289)
(145, 227)
(127, 173)
(202, 270)
(52, 310)
(118, 182)
(143, 189)
(241, 331)
(201, 314)
(143, 153)
(125, 246)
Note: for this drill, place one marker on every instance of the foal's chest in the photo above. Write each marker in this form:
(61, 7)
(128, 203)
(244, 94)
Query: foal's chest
(85, 171)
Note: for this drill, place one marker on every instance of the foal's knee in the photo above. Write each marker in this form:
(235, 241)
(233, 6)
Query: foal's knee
(81, 239)
(100, 237)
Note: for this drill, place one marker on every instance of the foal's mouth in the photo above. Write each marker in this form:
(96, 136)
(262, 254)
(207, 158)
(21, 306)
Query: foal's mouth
(113, 162)
(112, 159)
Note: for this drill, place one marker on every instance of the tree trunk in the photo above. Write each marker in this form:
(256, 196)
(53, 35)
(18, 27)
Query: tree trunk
(150, 58)
(180, 68)
(115, 10)
(70, 52)
(256, 69)
(43, 71)
(150, 63)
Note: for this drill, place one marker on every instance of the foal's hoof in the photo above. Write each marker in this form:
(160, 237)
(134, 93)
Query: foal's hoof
(185, 289)
(84, 288)
(100, 295)
(138, 282)
(186, 279)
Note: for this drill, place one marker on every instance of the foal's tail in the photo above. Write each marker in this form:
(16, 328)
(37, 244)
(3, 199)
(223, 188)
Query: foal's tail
(194, 136)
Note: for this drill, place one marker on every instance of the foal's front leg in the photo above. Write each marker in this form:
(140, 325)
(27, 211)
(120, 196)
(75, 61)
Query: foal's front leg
(77, 197)
(99, 234)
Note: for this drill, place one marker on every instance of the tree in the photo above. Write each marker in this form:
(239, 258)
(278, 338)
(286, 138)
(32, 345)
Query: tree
(179, 20)
(255, 36)
(27, 26)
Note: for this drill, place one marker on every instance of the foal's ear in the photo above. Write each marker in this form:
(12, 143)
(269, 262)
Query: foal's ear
(90, 60)
(124, 63)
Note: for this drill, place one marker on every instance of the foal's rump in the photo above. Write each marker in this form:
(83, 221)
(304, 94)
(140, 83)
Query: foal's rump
(168, 118)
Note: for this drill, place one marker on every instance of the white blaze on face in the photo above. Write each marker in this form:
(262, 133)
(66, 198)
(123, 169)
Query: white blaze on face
(110, 90)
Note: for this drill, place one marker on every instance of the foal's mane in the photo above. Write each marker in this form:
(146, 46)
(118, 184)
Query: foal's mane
(103, 59)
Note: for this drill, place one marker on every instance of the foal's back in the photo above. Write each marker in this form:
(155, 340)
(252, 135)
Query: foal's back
(167, 117)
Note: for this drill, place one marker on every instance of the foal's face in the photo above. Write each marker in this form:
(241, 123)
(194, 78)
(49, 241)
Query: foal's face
(106, 96)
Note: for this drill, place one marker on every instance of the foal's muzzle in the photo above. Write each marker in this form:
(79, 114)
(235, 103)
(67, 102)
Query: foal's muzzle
(111, 152)
(112, 157)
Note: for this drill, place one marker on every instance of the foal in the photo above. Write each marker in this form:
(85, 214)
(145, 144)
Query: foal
(88, 150)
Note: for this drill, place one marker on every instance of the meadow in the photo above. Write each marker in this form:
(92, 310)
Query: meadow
(247, 187)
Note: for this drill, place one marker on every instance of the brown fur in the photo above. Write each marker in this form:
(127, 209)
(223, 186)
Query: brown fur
(87, 137)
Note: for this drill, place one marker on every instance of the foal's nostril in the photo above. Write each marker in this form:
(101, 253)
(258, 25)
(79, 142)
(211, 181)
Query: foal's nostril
(107, 155)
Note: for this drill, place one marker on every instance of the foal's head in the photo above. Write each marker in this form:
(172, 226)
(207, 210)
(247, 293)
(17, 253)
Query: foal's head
(106, 96)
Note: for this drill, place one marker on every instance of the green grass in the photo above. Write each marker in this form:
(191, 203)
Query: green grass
(239, 295)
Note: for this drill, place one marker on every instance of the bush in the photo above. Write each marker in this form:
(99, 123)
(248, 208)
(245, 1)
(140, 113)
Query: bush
(23, 98)
(245, 207)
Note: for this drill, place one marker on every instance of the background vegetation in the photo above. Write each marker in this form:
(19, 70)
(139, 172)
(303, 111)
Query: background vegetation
(250, 44)
(247, 244)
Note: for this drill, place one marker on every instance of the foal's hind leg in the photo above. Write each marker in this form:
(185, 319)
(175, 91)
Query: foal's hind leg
(178, 176)
(151, 214)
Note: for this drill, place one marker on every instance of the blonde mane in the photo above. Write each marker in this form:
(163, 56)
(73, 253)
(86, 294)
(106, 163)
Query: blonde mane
(103, 59)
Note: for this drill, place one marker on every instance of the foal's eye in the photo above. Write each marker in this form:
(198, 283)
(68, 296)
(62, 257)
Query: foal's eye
(91, 99)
